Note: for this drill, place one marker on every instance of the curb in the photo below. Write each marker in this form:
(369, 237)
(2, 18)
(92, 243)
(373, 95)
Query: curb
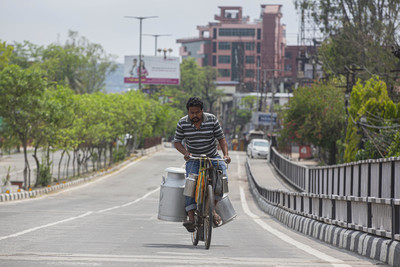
(377, 248)
(4, 197)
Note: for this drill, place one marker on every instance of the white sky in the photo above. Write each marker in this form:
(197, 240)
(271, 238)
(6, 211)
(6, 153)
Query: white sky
(44, 22)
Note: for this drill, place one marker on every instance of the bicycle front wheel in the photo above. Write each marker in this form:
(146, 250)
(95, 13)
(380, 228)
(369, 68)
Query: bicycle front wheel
(208, 216)
(195, 237)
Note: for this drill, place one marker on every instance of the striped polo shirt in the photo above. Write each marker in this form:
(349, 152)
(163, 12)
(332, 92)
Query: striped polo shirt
(199, 141)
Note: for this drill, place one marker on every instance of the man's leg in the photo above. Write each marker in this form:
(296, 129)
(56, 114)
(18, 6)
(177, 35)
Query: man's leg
(190, 203)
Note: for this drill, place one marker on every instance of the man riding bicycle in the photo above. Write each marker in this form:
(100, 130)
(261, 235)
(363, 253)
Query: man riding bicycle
(200, 131)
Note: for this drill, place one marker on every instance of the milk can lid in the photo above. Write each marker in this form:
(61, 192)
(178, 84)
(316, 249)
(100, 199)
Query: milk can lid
(175, 170)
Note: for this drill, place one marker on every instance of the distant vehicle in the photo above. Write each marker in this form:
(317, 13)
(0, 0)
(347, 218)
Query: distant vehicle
(255, 134)
(258, 148)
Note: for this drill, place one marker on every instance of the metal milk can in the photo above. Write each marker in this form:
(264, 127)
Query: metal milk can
(225, 209)
(172, 201)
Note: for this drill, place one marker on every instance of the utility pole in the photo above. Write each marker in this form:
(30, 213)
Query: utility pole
(140, 46)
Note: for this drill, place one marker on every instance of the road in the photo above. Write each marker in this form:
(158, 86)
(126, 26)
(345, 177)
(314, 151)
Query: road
(112, 221)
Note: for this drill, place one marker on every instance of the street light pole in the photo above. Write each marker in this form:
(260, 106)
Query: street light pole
(155, 37)
(140, 46)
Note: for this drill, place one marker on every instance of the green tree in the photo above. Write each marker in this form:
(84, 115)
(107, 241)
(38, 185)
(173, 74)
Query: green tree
(78, 64)
(166, 119)
(95, 64)
(373, 122)
(357, 32)
(26, 54)
(20, 104)
(56, 115)
(137, 118)
(248, 105)
(190, 77)
(315, 115)
(209, 92)
(5, 54)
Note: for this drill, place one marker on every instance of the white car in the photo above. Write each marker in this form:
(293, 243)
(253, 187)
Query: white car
(258, 148)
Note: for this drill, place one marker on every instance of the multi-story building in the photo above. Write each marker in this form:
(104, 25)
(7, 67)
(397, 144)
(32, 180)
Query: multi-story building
(251, 59)
(244, 53)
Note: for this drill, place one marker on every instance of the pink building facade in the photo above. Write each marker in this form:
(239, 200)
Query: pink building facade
(244, 53)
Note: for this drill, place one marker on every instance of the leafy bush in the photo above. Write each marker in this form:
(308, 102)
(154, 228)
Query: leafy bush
(44, 174)
(119, 154)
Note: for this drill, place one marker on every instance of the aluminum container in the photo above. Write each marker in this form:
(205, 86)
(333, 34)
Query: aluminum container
(172, 201)
(225, 188)
(225, 209)
(190, 185)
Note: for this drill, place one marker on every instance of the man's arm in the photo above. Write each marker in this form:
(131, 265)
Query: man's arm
(224, 147)
(182, 149)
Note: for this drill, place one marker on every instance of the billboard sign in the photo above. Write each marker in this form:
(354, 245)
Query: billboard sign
(262, 118)
(154, 70)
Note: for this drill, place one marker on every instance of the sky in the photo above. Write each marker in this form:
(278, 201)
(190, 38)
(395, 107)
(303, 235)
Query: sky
(44, 22)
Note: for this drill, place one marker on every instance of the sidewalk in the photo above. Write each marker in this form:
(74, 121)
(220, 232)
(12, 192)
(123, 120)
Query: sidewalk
(265, 175)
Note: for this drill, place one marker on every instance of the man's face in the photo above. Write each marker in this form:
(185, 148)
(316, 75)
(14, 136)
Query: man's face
(195, 114)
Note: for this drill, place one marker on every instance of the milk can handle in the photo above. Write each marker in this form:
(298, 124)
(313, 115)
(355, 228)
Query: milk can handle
(163, 179)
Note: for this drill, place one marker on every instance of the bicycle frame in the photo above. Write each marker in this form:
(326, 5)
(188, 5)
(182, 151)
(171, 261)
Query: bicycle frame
(204, 197)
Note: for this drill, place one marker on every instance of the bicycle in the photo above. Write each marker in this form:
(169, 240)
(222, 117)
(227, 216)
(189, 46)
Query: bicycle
(204, 197)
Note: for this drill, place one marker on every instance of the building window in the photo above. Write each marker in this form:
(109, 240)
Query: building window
(250, 60)
(258, 47)
(258, 34)
(214, 33)
(224, 72)
(224, 46)
(205, 60)
(288, 67)
(250, 46)
(214, 47)
(249, 74)
(236, 32)
(214, 63)
(224, 59)
(288, 55)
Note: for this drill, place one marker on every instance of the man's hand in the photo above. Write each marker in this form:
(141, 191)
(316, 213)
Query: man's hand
(186, 156)
(228, 159)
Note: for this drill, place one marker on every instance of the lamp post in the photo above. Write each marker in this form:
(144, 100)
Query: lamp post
(155, 37)
(165, 50)
(140, 45)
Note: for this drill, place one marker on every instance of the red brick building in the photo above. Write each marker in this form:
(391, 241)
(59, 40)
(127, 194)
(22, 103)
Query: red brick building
(244, 53)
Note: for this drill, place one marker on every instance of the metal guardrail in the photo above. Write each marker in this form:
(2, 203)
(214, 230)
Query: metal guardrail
(363, 196)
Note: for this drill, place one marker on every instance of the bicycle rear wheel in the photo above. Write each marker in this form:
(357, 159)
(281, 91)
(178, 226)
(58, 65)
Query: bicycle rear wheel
(208, 216)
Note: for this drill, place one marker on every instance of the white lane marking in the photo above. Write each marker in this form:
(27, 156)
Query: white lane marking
(46, 225)
(335, 262)
(77, 217)
(162, 260)
(130, 203)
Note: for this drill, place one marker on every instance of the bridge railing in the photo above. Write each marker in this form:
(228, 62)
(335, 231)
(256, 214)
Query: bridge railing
(363, 195)
(295, 174)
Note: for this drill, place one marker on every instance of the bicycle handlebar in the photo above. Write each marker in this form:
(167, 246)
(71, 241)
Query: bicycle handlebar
(208, 158)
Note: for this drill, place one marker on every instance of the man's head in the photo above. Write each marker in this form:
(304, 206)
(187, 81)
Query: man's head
(134, 61)
(195, 109)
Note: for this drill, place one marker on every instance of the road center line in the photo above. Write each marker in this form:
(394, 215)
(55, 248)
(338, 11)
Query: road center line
(46, 225)
(130, 203)
(335, 262)
(77, 217)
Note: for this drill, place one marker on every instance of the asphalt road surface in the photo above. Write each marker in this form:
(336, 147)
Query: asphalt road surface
(112, 221)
